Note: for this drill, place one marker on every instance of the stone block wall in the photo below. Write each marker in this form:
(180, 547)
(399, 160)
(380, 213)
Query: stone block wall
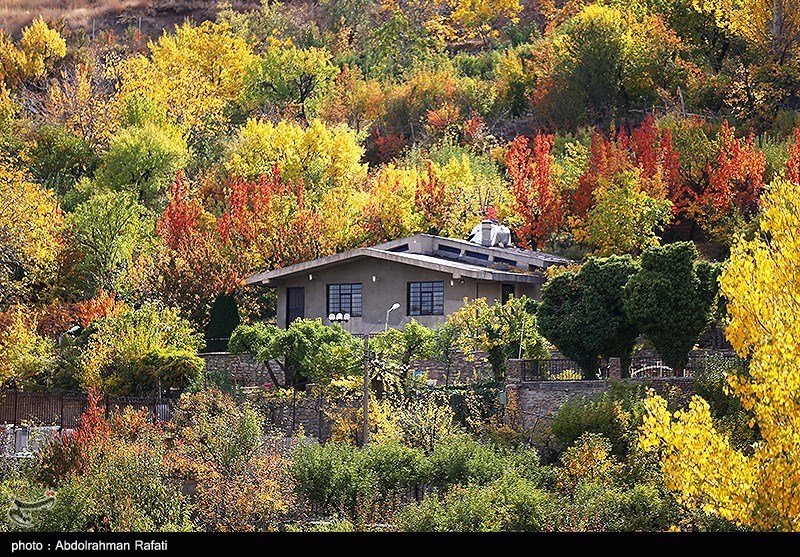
(288, 415)
(537, 401)
(534, 402)
(462, 371)
(243, 369)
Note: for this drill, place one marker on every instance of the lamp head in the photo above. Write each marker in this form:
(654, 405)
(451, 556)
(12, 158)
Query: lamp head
(331, 317)
(394, 306)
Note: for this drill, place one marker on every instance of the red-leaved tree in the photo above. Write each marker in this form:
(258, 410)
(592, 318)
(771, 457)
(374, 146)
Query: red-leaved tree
(729, 187)
(267, 224)
(433, 201)
(659, 162)
(192, 263)
(530, 166)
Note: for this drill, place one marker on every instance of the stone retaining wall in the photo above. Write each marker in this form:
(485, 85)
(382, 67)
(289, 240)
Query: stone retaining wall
(534, 402)
(462, 370)
(243, 369)
(287, 416)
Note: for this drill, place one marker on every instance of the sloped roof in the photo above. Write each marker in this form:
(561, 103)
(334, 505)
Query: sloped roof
(462, 259)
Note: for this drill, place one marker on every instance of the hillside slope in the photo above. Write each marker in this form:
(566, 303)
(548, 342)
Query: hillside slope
(150, 15)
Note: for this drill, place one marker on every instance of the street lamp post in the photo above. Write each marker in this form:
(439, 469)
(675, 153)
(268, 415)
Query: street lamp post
(388, 311)
(344, 318)
(69, 331)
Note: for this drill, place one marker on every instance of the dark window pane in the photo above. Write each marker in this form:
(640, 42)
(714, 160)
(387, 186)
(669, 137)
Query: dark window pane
(345, 298)
(426, 298)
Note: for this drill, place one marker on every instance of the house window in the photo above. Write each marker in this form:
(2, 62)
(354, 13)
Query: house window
(426, 298)
(345, 298)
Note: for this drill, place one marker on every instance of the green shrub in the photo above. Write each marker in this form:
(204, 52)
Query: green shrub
(596, 507)
(615, 414)
(393, 465)
(461, 460)
(343, 479)
(510, 503)
(329, 476)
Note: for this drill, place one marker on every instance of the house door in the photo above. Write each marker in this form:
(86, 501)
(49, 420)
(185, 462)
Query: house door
(508, 291)
(295, 304)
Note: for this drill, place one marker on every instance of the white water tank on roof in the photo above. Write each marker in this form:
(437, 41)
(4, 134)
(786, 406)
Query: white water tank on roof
(490, 233)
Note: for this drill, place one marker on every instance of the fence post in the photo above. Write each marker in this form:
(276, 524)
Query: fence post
(16, 405)
(294, 403)
(319, 418)
(614, 369)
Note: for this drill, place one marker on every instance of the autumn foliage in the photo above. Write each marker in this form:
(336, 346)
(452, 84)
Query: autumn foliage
(529, 166)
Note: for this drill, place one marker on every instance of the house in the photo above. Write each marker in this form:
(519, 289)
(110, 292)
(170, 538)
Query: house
(428, 276)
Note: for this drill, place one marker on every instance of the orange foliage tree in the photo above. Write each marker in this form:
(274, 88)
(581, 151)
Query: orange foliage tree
(192, 266)
(726, 193)
(530, 167)
(267, 224)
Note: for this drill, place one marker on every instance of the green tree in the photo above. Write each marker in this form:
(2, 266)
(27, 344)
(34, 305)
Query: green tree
(310, 350)
(499, 330)
(671, 299)
(588, 63)
(107, 230)
(143, 160)
(394, 349)
(139, 352)
(295, 78)
(59, 159)
(582, 313)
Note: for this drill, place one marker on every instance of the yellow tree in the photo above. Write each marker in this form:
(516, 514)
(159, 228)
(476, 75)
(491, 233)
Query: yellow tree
(81, 104)
(39, 48)
(30, 235)
(480, 17)
(772, 26)
(323, 157)
(761, 489)
(624, 217)
(390, 213)
(192, 75)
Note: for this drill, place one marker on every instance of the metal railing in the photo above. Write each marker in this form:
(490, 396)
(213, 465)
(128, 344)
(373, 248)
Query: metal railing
(216, 345)
(556, 369)
(699, 362)
(649, 366)
(31, 408)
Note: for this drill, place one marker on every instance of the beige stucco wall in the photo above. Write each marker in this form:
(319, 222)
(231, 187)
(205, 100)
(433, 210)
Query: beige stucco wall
(389, 287)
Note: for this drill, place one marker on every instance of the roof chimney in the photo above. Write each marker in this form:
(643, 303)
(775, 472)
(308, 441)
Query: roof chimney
(486, 232)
